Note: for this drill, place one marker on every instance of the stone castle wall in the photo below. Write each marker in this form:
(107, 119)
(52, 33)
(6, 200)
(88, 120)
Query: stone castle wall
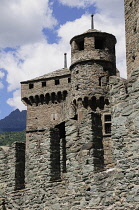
(125, 137)
(72, 161)
(132, 33)
(89, 187)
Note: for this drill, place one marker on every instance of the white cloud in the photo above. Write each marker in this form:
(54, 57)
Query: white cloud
(15, 102)
(22, 21)
(39, 59)
(77, 3)
(70, 29)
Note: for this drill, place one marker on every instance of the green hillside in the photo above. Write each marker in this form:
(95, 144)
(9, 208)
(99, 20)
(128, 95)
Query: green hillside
(7, 138)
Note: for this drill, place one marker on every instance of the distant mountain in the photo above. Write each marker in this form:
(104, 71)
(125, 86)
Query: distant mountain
(15, 121)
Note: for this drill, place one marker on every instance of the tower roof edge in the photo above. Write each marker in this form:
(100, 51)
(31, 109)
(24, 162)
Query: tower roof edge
(91, 31)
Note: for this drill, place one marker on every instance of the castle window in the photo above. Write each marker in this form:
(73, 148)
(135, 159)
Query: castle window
(107, 124)
(133, 57)
(69, 80)
(99, 43)
(57, 82)
(100, 81)
(80, 45)
(135, 30)
(44, 84)
(107, 118)
(107, 128)
(31, 86)
(130, 4)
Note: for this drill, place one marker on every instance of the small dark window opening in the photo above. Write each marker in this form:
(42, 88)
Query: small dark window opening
(80, 45)
(57, 82)
(75, 117)
(107, 124)
(44, 84)
(130, 4)
(107, 102)
(133, 57)
(126, 89)
(77, 72)
(69, 80)
(135, 30)
(108, 128)
(31, 86)
(107, 118)
(100, 81)
(99, 43)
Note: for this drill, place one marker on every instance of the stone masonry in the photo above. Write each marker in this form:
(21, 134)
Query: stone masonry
(82, 133)
(132, 34)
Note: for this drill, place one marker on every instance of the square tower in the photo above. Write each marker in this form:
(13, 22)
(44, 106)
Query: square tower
(132, 34)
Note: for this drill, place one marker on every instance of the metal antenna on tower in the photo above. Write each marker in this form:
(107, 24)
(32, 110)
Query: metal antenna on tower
(65, 60)
(92, 21)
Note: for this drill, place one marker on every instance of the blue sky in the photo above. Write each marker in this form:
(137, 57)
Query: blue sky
(35, 33)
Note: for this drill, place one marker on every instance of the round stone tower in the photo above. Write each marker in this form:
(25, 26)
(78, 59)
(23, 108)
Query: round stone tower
(92, 62)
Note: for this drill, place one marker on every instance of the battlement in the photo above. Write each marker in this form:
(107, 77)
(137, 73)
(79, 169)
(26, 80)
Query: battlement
(50, 87)
(93, 45)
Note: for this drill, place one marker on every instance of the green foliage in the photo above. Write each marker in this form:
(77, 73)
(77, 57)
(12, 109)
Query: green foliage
(7, 138)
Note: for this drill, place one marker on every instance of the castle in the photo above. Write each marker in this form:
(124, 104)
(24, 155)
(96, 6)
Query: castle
(82, 133)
